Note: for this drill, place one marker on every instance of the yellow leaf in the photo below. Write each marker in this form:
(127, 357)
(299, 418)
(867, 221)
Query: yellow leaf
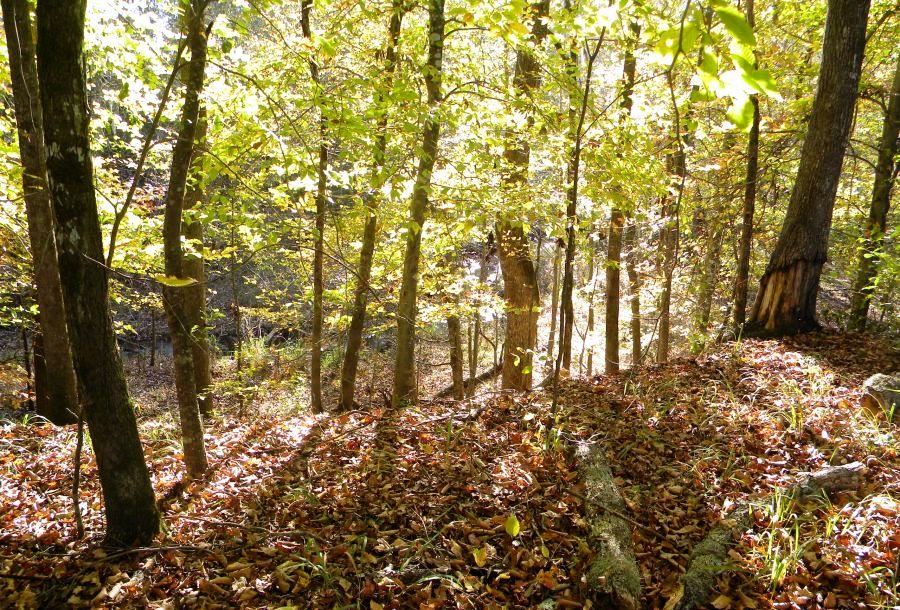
(512, 526)
(722, 602)
(480, 556)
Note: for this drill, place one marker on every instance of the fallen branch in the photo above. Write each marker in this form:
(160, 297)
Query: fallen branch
(485, 376)
(708, 559)
(613, 579)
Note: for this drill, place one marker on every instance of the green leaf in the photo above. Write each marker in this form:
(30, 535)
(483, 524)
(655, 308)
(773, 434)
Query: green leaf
(741, 113)
(512, 526)
(736, 24)
(480, 556)
(174, 282)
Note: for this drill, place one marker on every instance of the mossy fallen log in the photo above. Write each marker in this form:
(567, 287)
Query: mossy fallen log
(613, 579)
(709, 557)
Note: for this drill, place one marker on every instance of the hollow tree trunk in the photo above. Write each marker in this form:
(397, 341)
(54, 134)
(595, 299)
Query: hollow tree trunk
(873, 233)
(195, 295)
(404, 391)
(315, 381)
(786, 301)
(616, 225)
(55, 390)
(350, 364)
(632, 259)
(175, 291)
(520, 287)
(131, 512)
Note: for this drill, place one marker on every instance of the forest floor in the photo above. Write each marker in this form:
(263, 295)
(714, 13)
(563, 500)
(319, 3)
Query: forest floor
(459, 505)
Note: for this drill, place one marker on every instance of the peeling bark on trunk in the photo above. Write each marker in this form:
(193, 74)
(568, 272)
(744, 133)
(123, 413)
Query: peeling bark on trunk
(405, 390)
(786, 301)
(350, 365)
(55, 389)
(873, 233)
(131, 512)
(175, 298)
(520, 286)
(613, 579)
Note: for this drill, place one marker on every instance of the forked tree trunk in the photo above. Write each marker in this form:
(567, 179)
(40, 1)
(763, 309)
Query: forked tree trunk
(744, 249)
(616, 227)
(520, 286)
(55, 390)
(404, 391)
(632, 260)
(315, 381)
(786, 301)
(350, 364)
(131, 512)
(873, 233)
(192, 264)
(175, 296)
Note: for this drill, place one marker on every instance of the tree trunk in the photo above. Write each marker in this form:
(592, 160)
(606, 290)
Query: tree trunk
(589, 330)
(668, 247)
(175, 296)
(57, 397)
(456, 356)
(131, 513)
(616, 224)
(786, 301)
(315, 382)
(477, 331)
(404, 391)
(873, 233)
(360, 299)
(709, 276)
(743, 268)
(195, 295)
(554, 304)
(520, 287)
(632, 260)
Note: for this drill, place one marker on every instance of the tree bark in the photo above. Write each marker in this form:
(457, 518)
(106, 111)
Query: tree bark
(520, 286)
(554, 299)
(668, 247)
(616, 225)
(176, 297)
(404, 391)
(55, 390)
(195, 295)
(131, 513)
(315, 382)
(456, 356)
(632, 260)
(873, 233)
(350, 364)
(475, 351)
(743, 267)
(786, 301)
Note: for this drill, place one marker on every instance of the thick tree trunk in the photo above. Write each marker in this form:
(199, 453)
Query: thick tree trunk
(743, 267)
(175, 297)
(632, 259)
(315, 381)
(350, 364)
(404, 391)
(873, 233)
(131, 513)
(55, 390)
(520, 286)
(786, 301)
(192, 264)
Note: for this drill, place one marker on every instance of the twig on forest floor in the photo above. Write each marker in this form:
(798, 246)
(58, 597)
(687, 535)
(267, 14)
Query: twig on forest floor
(24, 576)
(616, 513)
(255, 528)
